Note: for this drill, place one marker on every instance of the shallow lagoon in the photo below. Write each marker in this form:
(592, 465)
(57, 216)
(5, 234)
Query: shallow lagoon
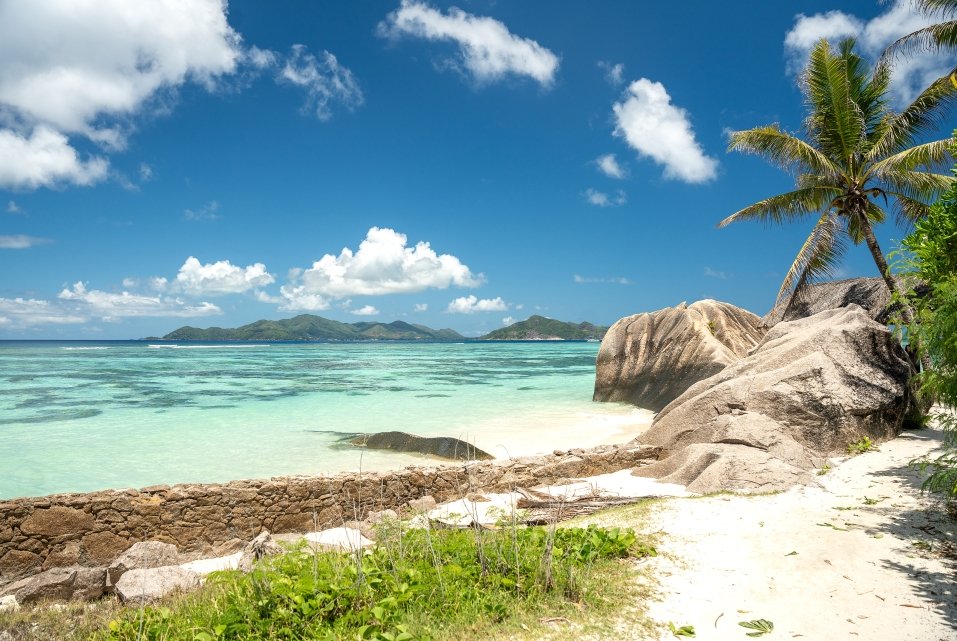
(83, 416)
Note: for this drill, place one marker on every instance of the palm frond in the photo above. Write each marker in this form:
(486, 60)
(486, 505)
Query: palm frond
(908, 211)
(786, 207)
(781, 148)
(836, 121)
(931, 155)
(935, 37)
(922, 116)
(942, 8)
(922, 186)
(819, 255)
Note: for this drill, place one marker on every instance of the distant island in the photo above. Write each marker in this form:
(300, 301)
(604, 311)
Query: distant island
(539, 328)
(307, 327)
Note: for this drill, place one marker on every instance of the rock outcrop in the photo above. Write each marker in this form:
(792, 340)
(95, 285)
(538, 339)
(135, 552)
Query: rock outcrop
(149, 584)
(650, 359)
(810, 388)
(871, 294)
(442, 446)
(141, 555)
(59, 583)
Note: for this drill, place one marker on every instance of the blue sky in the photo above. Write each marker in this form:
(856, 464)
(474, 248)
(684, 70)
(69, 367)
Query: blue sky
(458, 165)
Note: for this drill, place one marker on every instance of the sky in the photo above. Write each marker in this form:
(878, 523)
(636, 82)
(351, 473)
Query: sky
(463, 165)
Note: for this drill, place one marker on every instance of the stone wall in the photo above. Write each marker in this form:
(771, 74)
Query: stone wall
(92, 529)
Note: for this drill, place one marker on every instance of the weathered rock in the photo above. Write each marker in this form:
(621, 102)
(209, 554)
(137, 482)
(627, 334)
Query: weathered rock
(810, 388)
(59, 583)
(651, 359)
(423, 504)
(871, 294)
(103, 547)
(149, 584)
(8, 603)
(142, 555)
(441, 446)
(18, 562)
(57, 521)
(261, 546)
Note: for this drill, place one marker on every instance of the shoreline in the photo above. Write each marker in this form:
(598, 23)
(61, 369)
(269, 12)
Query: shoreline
(860, 553)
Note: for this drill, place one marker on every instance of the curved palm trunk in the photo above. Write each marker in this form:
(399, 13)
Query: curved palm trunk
(907, 312)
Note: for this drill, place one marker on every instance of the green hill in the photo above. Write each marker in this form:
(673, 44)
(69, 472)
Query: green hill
(307, 327)
(541, 328)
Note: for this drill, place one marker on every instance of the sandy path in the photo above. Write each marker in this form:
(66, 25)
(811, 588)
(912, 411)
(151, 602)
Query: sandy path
(857, 572)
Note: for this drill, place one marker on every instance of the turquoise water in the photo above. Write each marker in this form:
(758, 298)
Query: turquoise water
(85, 416)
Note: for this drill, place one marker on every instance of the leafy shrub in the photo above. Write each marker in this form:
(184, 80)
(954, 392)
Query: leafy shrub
(410, 585)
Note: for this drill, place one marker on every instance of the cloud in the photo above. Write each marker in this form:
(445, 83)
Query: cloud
(26, 312)
(86, 68)
(366, 310)
(508, 320)
(656, 129)
(146, 173)
(221, 277)
(421, 307)
(619, 280)
(326, 81)
(487, 49)
(205, 213)
(110, 306)
(601, 199)
(614, 73)
(383, 264)
(13, 208)
(911, 74)
(44, 158)
(609, 166)
(714, 274)
(471, 304)
(20, 241)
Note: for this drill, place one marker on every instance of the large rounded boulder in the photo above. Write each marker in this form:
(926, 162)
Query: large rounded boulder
(812, 387)
(650, 359)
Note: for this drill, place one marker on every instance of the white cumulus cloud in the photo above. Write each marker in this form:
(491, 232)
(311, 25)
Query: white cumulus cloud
(44, 158)
(602, 199)
(325, 80)
(911, 74)
(384, 263)
(609, 166)
(85, 67)
(365, 310)
(27, 312)
(659, 130)
(421, 307)
(508, 320)
(471, 304)
(618, 280)
(222, 277)
(110, 306)
(22, 241)
(487, 49)
(614, 73)
(208, 212)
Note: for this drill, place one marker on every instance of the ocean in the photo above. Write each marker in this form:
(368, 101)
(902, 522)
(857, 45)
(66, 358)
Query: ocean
(84, 416)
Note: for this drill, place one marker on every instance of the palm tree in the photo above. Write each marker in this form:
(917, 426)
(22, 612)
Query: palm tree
(935, 37)
(855, 155)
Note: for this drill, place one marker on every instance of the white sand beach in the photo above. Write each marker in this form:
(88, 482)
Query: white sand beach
(862, 554)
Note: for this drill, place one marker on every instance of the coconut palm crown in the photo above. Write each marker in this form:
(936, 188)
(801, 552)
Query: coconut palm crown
(856, 158)
(935, 37)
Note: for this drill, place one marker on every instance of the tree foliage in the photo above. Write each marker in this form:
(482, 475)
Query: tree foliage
(931, 251)
(856, 157)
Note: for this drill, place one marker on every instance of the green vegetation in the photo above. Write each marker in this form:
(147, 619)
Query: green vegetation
(682, 631)
(856, 153)
(942, 35)
(541, 328)
(307, 327)
(931, 252)
(418, 584)
(861, 445)
(760, 627)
